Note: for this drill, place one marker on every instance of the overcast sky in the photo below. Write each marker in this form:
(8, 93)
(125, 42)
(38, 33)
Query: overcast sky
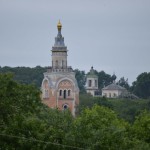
(111, 35)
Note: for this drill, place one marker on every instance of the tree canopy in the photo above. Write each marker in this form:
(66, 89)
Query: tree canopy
(141, 87)
(26, 123)
(27, 75)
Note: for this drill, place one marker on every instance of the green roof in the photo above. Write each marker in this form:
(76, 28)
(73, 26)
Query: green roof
(92, 74)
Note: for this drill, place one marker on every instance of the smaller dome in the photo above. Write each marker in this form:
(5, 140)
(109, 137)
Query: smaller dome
(92, 73)
(59, 25)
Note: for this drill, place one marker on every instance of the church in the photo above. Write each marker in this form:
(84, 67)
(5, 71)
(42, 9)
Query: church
(59, 86)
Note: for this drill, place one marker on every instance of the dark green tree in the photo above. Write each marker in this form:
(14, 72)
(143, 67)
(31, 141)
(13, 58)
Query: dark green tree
(104, 79)
(141, 127)
(99, 128)
(26, 123)
(26, 75)
(81, 79)
(141, 87)
(124, 83)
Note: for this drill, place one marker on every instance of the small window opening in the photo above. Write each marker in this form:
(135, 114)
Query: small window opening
(69, 92)
(64, 94)
(60, 93)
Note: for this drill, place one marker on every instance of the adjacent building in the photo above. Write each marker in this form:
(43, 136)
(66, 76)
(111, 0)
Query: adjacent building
(113, 91)
(92, 83)
(59, 86)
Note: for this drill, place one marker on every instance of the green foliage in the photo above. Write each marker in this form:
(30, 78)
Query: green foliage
(125, 108)
(141, 87)
(99, 128)
(129, 109)
(26, 75)
(124, 83)
(87, 100)
(26, 123)
(141, 127)
(80, 77)
(103, 101)
(104, 79)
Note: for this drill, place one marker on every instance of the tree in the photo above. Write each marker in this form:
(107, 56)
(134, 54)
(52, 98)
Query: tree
(80, 77)
(141, 87)
(26, 123)
(26, 75)
(104, 79)
(141, 127)
(99, 128)
(124, 83)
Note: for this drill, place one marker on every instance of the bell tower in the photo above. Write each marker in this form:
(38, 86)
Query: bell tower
(92, 83)
(59, 51)
(59, 86)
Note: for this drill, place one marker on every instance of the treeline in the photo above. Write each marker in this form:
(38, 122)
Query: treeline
(124, 108)
(25, 123)
(27, 75)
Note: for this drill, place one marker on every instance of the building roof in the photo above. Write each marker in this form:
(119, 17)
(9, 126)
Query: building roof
(92, 74)
(113, 86)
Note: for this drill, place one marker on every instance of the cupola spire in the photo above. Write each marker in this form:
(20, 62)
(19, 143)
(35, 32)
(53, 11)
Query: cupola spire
(59, 26)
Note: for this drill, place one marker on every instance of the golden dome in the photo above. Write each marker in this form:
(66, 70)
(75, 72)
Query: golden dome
(59, 25)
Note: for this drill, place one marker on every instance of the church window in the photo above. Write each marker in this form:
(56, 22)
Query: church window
(60, 93)
(64, 94)
(69, 92)
(95, 83)
(46, 94)
(90, 83)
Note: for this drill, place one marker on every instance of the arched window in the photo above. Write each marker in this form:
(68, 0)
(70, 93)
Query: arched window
(60, 93)
(46, 94)
(64, 94)
(90, 83)
(95, 83)
(69, 92)
(45, 87)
